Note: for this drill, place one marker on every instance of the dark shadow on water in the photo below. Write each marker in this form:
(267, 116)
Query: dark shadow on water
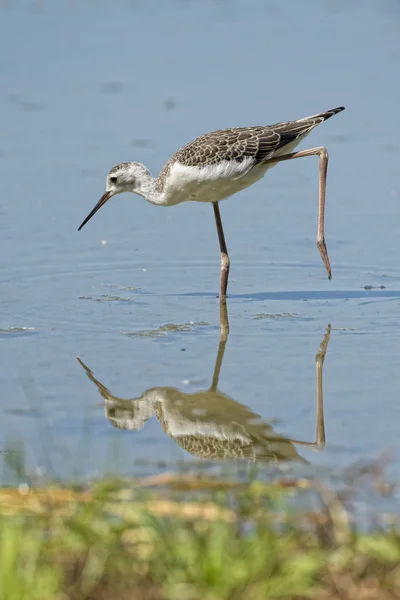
(301, 295)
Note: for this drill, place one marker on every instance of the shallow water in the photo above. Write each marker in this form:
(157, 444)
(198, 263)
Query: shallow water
(133, 295)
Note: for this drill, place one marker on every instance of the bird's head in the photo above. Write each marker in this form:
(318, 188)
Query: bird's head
(124, 177)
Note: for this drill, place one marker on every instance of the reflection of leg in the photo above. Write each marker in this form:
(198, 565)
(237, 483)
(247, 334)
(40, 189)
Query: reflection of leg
(319, 362)
(224, 329)
(223, 322)
(323, 168)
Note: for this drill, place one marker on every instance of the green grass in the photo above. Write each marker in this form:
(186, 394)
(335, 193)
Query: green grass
(193, 539)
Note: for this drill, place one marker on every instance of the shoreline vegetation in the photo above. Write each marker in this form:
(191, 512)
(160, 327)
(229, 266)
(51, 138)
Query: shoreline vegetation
(199, 537)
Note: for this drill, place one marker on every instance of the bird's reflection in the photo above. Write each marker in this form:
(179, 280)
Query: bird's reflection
(209, 424)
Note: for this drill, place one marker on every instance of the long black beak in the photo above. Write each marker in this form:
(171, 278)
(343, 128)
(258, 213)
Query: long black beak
(100, 203)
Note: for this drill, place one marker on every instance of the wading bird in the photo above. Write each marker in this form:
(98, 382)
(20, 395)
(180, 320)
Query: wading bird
(219, 164)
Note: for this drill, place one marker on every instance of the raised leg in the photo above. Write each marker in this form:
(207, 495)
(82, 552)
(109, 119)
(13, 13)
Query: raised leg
(323, 167)
(225, 263)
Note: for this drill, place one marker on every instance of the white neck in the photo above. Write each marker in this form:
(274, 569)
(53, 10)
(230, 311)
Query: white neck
(146, 187)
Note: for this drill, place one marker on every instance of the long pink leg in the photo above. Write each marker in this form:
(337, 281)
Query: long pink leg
(225, 263)
(323, 168)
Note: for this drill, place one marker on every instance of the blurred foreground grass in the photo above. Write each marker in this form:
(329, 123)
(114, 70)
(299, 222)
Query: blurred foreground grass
(192, 538)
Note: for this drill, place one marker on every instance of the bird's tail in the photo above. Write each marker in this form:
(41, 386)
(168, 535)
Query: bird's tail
(325, 115)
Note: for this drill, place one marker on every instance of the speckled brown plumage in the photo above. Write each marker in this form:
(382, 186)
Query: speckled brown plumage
(259, 143)
(251, 445)
(217, 165)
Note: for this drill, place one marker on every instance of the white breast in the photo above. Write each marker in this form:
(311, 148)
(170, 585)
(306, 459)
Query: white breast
(209, 183)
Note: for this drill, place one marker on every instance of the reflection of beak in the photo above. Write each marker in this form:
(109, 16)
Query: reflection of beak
(100, 203)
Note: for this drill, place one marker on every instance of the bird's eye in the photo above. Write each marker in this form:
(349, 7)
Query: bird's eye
(113, 179)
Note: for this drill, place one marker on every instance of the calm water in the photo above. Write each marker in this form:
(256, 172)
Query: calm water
(86, 85)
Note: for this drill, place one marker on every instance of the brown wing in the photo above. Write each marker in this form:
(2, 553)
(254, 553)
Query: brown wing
(229, 144)
(239, 143)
